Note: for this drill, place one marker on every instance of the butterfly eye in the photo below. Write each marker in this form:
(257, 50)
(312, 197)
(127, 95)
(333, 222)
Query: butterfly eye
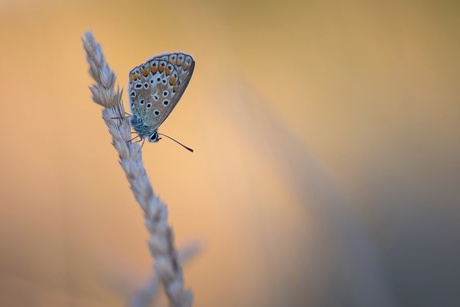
(165, 93)
(156, 112)
(149, 105)
(146, 85)
(138, 86)
(154, 138)
(141, 102)
(166, 102)
(133, 94)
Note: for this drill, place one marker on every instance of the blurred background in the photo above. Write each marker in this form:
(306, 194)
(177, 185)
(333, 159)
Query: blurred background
(326, 168)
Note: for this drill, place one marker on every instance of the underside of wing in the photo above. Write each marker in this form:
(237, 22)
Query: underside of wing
(156, 87)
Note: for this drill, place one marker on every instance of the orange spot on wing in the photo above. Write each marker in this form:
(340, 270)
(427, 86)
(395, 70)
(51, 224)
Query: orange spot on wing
(153, 69)
(168, 72)
(175, 89)
(145, 72)
(186, 67)
(172, 81)
(179, 62)
(161, 68)
(172, 62)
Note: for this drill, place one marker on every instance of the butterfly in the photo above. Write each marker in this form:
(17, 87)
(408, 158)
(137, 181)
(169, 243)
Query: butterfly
(155, 88)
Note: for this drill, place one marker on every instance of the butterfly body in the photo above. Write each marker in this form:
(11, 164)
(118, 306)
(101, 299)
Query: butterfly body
(155, 88)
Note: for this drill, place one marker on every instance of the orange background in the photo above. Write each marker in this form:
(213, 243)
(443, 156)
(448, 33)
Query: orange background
(326, 169)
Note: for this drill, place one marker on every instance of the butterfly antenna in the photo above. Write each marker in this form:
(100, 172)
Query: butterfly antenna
(189, 149)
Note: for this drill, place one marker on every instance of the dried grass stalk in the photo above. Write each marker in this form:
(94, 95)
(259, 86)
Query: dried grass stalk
(161, 242)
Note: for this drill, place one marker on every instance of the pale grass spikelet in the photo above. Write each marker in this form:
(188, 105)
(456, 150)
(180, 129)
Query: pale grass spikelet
(145, 295)
(103, 92)
(161, 242)
(158, 245)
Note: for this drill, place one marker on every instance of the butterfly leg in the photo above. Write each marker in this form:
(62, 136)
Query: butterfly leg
(140, 149)
(133, 139)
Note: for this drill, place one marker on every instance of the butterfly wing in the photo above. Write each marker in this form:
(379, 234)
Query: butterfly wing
(156, 87)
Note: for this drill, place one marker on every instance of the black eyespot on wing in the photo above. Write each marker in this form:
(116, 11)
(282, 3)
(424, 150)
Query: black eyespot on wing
(151, 81)
(155, 97)
(133, 94)
(146, 85)
(149, 105)
(138, 86)
(141, 102)
(164, 81)
(166, 102)
(165, 93)
(158, 79)
(156, 112)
